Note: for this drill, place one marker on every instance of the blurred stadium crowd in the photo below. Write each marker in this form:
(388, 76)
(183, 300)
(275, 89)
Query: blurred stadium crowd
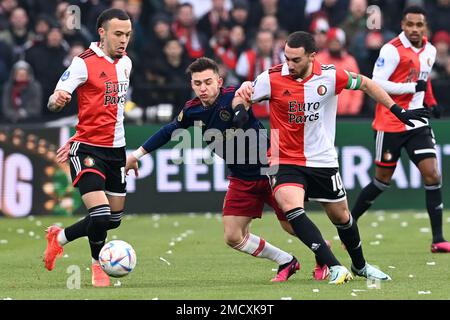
(39, 38)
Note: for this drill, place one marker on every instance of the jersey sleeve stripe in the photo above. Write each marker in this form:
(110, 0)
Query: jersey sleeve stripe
(229, 89)
(276, 68)
(192, 103)
(87, 54)
(396, 42)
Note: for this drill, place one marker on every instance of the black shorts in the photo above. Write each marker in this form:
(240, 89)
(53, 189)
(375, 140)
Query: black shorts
(109, 163)
(320, 184)
(419, 143)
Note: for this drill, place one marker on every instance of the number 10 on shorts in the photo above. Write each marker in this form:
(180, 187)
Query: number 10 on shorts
(337, 182)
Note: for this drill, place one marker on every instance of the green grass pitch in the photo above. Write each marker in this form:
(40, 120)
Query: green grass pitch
(183, 257)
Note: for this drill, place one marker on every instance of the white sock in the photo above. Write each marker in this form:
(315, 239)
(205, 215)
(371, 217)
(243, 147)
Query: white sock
(258, 247)
(61, 237)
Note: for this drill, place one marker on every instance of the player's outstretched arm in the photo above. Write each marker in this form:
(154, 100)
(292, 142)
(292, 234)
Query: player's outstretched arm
(379, 95)
(156, 141)
(58, 100)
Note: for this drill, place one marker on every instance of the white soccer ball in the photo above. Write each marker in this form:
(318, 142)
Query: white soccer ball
(117, 258)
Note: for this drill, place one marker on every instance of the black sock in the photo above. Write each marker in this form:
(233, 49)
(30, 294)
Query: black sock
(310, 235)
(77, 230)
(433, 196)
(97, 228)
(367, 197)
(349, 235)
(116, 218)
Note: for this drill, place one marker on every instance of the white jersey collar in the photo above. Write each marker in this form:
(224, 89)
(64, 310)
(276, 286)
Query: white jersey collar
(99, 52)
(285, 70)
(405, 42)
(317, 70)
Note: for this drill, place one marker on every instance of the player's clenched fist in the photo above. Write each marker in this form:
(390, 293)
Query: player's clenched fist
(245, 91)
(58, 100)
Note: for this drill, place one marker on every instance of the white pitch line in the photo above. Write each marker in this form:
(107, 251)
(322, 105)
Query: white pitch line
(162, 259)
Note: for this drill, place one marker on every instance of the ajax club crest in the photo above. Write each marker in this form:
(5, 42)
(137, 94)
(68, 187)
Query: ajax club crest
(225, 115)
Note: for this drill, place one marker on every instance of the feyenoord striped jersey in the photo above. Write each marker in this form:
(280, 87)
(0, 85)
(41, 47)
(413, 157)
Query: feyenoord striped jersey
(101, 85)
(303, 113)
(397, 69)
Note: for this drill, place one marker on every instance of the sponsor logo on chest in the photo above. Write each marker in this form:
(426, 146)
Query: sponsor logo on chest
(115, 93)
(300, 112)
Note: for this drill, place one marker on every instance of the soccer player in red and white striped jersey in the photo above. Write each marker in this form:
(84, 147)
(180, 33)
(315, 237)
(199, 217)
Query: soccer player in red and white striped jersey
(302, 95)
(403, 70)
(97, 154)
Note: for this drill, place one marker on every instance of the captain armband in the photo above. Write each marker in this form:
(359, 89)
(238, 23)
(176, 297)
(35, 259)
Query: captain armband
(354, 81)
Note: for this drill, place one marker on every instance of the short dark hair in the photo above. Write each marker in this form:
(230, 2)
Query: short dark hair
(184, 4)
(202, 64)
(110, 14)
(414, 9)
(301, 39)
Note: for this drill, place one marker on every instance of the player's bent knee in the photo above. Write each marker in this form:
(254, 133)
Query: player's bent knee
(433, 178)
(385, 179)
(340, 219)
(285, 206)
(233, 238)
(286, 202)
(90, 182)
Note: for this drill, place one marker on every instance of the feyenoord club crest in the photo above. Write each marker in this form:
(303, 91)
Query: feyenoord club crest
(321, 90)
(89, 162)
(387, 156)
(225, 115)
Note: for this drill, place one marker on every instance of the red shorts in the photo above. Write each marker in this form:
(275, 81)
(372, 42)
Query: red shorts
(247, 199)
